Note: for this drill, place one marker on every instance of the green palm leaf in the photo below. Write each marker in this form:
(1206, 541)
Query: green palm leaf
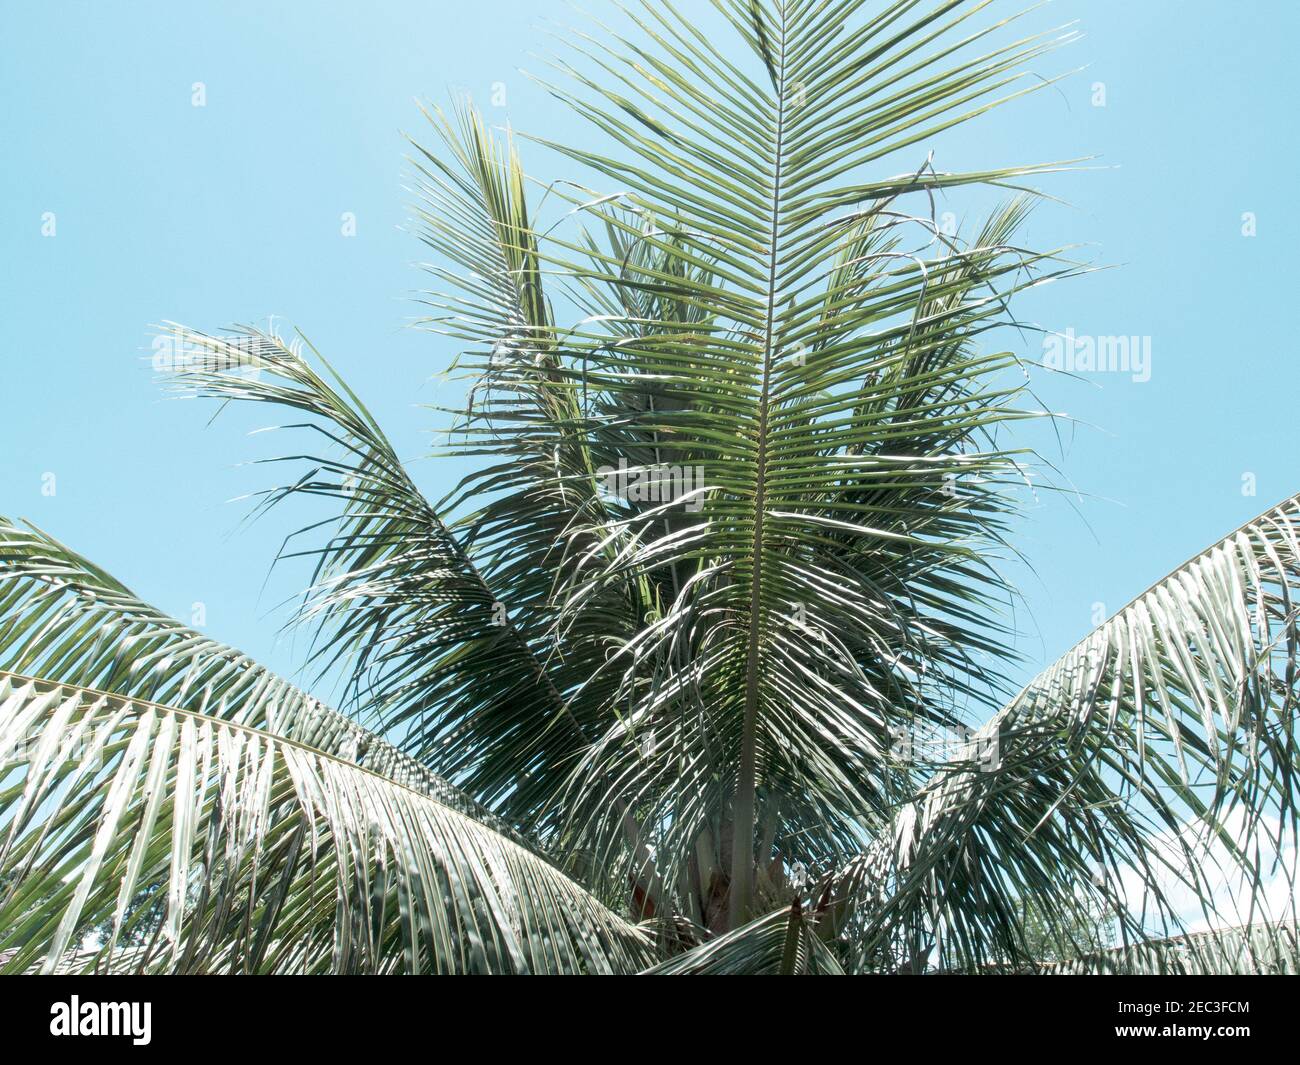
(781, 943)
(64, 619)
(1126, 761)
(265, 855)
(1247, 951)
(433, 654)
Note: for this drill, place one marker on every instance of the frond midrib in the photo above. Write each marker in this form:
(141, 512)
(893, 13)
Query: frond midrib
(742, 859)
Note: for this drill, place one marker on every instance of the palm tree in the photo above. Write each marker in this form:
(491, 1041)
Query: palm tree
(671, 680)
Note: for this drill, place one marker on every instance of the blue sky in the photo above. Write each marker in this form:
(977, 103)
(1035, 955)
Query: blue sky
(231, 212)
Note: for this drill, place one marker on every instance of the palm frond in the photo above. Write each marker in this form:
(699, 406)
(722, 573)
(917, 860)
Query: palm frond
(535, 512)
(1157, 758)
(65, 619)
(433, 654)
(1253, 950)
(198, 844)
(781, 943)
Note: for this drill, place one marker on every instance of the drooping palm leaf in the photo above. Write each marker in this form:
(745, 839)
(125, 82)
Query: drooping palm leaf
(101, 749)
(1260, 950)
(781, 943)
(1157, 758)
(264, 855)
(432, 652)
(64, 619)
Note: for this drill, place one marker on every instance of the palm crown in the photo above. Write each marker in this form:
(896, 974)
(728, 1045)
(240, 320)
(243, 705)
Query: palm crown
(656, 686)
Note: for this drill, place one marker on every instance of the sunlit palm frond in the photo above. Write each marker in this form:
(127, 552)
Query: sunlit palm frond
(196, 844)
(433, 653)
(781, 943)
(533, 512)
(64, 619)
(1258, 950)
(1152, 766)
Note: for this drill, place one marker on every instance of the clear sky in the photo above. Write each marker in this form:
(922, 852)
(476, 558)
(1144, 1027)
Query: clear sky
(231, 212)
